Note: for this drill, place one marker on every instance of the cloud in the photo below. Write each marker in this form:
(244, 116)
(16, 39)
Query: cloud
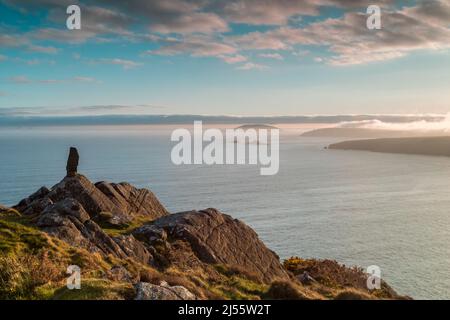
(204, 28)
(252, 66)
(196, 46)
(3, 58)
(83, 110)
(233, 59)
(349, 42)
(275, 56)
(264, 12)
(25, 80)
(191, 23)
(419, 125)
(42, 49)
(125, 64)
(86, 79)
(20, 80)
(272, 40)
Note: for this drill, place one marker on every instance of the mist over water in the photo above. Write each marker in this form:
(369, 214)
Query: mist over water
(422, 125)
(359, 208)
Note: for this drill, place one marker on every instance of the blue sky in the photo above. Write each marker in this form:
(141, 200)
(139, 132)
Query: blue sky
(238, 57)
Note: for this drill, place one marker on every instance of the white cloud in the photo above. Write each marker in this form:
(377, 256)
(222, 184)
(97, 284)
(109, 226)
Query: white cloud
(233, 59)
(125, 64)
(275, 56)
(252, 66)
(196, 46)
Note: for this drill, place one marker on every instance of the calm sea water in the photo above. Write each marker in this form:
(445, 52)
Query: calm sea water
(359, 208)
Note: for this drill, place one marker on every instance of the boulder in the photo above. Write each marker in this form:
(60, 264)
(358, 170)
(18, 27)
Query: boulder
(215, 238)
(68, 221)
(148, 291)
(131, 200)
(133, 248)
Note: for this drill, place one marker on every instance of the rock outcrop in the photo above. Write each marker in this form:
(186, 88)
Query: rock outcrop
(73, 209)
(148, 291)
(119, 203)
(214, 238)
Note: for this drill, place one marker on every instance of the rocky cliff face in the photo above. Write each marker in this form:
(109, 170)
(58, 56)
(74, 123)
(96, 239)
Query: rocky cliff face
(74, 209)
(128, 241)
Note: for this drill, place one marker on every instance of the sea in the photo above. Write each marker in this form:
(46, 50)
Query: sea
(359, 208)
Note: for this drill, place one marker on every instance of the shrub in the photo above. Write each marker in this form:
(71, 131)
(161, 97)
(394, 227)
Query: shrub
(283, 290)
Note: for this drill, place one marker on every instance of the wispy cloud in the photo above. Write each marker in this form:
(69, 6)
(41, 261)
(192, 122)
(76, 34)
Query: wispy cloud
(42, 49)
(125, 64)
(275, 56)
(252, 66)
(25, 80)
(20, 80)
(93, 110)
(233, 59)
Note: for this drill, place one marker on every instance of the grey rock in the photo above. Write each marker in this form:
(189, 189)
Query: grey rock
(216, 238)
(148, 291)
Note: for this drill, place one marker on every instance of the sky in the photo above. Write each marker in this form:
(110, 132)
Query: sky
(224, 57)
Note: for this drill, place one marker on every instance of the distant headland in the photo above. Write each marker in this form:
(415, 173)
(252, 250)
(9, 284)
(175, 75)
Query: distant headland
(430, 146)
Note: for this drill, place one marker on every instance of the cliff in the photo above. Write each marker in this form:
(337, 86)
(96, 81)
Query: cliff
(128, 246)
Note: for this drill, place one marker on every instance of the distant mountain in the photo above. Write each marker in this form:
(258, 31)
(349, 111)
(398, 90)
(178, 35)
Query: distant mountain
(431, 146)
(367, 133)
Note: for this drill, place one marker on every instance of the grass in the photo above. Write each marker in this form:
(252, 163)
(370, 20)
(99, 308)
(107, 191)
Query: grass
(125, 229)
(33, 266)
(337, 281)
(93, 289)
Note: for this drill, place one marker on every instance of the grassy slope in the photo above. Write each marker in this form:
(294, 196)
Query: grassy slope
(33, 266)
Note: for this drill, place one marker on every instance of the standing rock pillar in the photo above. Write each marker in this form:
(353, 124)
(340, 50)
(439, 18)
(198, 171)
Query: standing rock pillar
(72, 162)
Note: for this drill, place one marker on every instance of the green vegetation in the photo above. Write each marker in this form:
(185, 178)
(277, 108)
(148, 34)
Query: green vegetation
(33, 266)
(124, 229)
